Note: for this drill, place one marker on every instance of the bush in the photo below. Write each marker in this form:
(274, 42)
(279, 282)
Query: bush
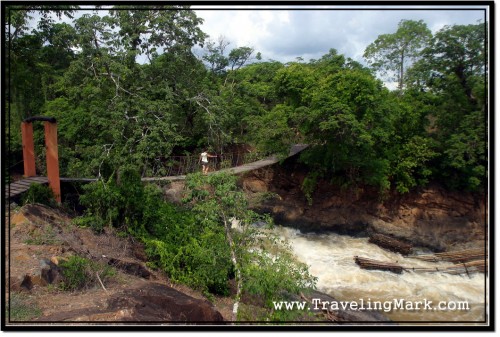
(273, 270)
(38, 193)
(309, 185)
(189, 243)
(188, 251)
(79, 273)
(116, 202)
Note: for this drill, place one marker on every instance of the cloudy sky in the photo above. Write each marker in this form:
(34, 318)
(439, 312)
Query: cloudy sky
(283, 34)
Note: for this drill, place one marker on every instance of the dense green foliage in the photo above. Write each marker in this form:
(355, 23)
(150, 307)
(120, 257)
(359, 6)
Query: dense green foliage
(266, 264)
(38, 193)
(126, 88)
(190, 243)
(190, 252)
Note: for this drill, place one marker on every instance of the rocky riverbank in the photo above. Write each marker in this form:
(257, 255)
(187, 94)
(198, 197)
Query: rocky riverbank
(41, 239)
(430, 217)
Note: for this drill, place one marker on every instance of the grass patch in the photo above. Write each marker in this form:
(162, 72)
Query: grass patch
(80, 273)
(21, 308)
(43, 235)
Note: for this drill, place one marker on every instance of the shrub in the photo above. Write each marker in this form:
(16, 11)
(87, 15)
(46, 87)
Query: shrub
(190, 243)
(309, 185)
(116, 202)
(188, 251)
(273, 270)
(38, 193)
(79, 273)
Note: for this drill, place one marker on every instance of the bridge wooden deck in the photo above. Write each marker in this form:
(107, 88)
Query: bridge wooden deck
(239, 169)
(20, 186)
(23, 185)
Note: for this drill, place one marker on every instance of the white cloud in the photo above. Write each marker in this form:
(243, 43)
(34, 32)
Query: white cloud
(285, 34)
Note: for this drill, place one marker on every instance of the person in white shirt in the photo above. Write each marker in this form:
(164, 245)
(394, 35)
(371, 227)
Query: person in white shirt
(204, 161)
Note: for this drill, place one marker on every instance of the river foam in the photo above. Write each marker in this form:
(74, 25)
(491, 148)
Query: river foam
(330, 259)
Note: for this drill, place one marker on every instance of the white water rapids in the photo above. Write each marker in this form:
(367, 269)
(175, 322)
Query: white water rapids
(330, 259)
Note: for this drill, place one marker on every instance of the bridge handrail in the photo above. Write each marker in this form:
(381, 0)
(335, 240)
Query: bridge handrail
(179, 166)
(182, 165)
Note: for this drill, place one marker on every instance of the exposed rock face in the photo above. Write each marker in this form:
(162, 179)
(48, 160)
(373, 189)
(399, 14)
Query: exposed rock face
(174, 191)
(130, 267)
(50, 272)
(152, 302)
(158, 302)
(431, 217)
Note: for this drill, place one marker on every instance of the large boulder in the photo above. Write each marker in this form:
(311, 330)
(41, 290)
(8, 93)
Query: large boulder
(150, 302)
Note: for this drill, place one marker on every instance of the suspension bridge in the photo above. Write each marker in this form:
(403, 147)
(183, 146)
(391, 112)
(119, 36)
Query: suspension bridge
(176, 168)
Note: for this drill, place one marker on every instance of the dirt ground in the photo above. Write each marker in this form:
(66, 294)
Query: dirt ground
(37, 233)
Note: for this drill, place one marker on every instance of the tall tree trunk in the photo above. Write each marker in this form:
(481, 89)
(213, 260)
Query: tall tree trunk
(401, 71)
(239, 286)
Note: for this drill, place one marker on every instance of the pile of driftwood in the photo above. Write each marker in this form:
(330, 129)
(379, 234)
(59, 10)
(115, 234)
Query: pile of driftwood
(468, 268)
(455, 257)
(391, 244)
(464, 262)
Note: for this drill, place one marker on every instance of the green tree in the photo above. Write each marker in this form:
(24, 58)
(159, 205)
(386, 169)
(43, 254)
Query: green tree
(217, 202)
(359, 133)
(395, 52)
(133, 110)
(147, 29)
(221, 108)
(36, 60)
(457, 55)
(215, 57)
(457, 59)
(18, 17)
(239, 56)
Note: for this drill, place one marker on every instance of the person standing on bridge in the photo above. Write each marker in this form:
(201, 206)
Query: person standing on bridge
(204, 160)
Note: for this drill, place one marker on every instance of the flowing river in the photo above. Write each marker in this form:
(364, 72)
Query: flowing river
(330, 259)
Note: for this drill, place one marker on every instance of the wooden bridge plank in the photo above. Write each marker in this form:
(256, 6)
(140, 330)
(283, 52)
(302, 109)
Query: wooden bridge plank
(37, 178)
(24, 183)
(21, 186)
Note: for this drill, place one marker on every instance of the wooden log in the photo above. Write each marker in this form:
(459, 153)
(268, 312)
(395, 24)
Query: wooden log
(468, 268)
(370, 264)
(390, 243)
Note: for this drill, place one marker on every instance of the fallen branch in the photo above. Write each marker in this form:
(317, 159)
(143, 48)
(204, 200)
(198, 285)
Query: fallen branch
(102, 285)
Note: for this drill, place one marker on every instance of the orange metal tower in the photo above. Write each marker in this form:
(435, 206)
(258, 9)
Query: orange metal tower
(52, 156)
